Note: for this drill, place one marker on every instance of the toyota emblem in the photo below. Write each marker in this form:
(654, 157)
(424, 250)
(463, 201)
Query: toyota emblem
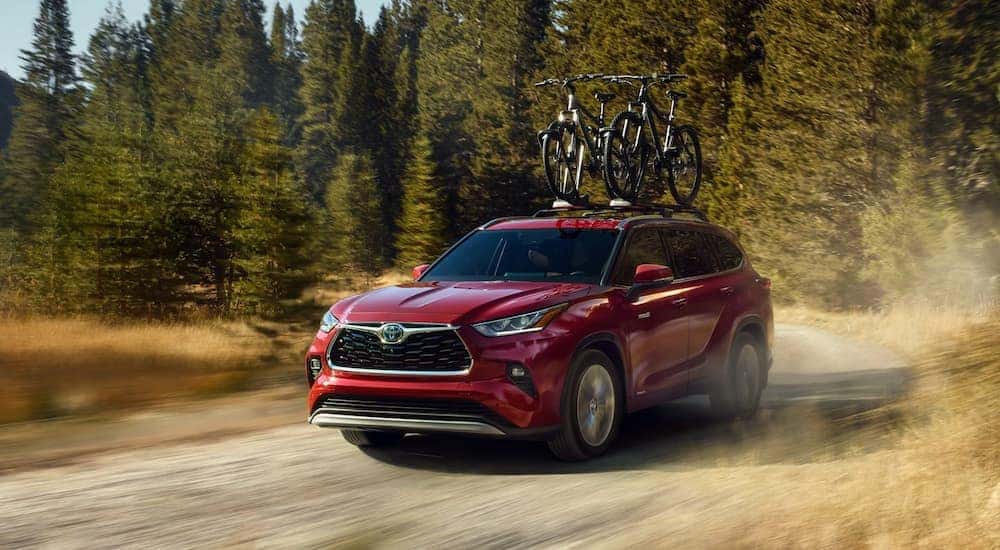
(392, 333)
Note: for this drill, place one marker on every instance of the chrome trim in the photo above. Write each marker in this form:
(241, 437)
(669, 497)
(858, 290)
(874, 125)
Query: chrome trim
(430, 327)
(381, 372)
(326, 419)
(407, 331)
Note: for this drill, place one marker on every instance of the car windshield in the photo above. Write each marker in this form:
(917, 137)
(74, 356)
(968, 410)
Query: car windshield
(557, 255)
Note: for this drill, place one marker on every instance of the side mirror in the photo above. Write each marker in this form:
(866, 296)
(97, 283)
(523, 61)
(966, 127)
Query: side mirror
(649, 276)
(646, 274)
(419, 271)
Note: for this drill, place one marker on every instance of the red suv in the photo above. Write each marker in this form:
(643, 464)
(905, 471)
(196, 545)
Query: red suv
(549, 327)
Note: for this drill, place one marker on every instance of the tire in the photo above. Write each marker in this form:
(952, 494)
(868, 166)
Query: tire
(684, 167)
(624, 156)
(562, 159)
(593, 391)
(737, 392)
(371, 438)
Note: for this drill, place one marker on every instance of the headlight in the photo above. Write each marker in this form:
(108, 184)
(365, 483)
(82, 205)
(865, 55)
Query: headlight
(527, 322)
(329, 321)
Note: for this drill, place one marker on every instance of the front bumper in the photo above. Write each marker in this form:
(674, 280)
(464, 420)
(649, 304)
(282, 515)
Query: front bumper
(417, 414)
(333, 419)
(507, 410)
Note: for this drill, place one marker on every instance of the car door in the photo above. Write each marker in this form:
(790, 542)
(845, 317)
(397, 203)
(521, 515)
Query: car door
(657, 332)
(695, 268)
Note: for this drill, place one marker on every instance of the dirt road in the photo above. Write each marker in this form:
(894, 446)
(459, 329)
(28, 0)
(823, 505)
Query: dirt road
(675, 477)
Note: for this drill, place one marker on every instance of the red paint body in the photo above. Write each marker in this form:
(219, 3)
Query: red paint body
(670, 352)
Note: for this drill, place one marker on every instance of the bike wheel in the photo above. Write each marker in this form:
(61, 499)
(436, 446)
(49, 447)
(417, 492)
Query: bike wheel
(625, 155)
(684, 165)
(562, 158)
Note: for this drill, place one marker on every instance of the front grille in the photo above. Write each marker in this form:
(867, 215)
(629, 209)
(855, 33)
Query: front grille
(439, 351)
(409, 408)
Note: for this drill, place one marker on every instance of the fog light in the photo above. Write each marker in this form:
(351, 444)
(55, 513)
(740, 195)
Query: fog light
(520, 377)
(315, 366)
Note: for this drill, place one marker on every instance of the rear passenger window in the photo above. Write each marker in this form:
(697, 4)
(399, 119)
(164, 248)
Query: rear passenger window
(691, 254)
(729, 254)
(643, 247)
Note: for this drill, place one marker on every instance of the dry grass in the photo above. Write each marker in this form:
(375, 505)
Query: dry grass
(940, 485)
(83, 365)
(912, 328)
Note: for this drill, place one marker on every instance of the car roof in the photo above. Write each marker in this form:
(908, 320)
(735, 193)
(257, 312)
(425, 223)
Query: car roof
(553, 223)
(612, 218)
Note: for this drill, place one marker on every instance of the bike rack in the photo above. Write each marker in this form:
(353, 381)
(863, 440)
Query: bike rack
(588, 211)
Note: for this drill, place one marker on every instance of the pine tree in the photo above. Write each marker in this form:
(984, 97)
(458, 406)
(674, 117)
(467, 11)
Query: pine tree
(509, 34)
(8, 101)
(811, 167)
(185, 41)
(352, 202)
(274, 228)
(246, 46)
(286, 58)
(102, 217)
(447, 74)
(961, 105)
(331, 26)
(44, 119)
(393, 76)
(731, 195)
(357, 113)
(422, 229)
(722, 55)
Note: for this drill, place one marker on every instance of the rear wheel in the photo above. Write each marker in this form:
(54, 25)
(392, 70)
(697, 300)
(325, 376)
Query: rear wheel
(625, 155)
(684, 165)
(562, 158)
(372, 438)
(592, 408)
(737, 392)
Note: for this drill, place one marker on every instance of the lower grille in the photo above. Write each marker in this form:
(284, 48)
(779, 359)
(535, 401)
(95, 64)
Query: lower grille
(422, 409)
(438, 351)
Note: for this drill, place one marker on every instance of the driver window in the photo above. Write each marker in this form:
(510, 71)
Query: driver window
(643, 247)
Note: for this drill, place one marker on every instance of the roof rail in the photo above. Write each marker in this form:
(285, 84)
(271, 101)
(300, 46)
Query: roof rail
(664, 210)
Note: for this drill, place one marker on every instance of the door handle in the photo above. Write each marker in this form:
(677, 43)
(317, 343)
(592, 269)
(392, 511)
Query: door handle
(680, 302)
(644, 315)
(727, 290)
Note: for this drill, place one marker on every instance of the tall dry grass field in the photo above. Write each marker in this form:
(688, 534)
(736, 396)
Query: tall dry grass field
(939, 485)
(84, 365)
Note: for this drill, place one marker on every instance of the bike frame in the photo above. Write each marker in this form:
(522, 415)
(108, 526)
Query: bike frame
(574, 110)
(648, 109)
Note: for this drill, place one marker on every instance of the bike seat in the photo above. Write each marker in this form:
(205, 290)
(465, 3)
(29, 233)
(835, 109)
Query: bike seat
(676, 95)
(604, 97)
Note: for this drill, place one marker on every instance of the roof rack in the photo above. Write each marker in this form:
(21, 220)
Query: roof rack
(588, 211)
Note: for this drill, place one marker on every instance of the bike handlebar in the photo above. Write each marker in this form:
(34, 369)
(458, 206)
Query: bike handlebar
(645, 80)
(567, 81)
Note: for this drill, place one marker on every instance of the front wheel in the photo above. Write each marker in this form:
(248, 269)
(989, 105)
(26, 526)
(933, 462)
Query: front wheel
(684, 165)
(562, 159)
(625, 155)
(592, 408)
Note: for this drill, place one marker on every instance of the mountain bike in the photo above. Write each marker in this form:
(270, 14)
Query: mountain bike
(634, 135)
(574, 141)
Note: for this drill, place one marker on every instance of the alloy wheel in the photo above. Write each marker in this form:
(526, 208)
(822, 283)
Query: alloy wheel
(595, 405)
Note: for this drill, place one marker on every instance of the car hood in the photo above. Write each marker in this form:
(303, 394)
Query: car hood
(455, 302)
